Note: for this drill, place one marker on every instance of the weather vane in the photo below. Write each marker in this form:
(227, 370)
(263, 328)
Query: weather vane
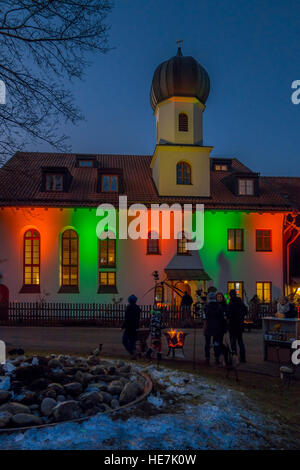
(179, 42)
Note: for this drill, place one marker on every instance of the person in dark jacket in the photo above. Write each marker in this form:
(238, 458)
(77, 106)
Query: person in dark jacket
(186, 302)
(236, 314)
(131, 325)
(213, 327)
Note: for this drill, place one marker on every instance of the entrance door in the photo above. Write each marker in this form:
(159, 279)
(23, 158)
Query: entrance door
(183, 287)
(4, 300)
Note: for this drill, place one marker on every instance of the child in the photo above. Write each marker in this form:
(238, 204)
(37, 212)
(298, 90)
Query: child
(156, 325)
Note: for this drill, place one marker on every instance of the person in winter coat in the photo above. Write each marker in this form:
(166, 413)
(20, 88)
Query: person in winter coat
(236, 314)
(186, 303)
(286, 308)
(213, 327)
(156, 326)
(131, 325)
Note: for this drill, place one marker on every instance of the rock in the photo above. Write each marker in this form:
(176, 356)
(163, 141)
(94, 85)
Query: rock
(66, 410)
(107, 378)
(79, 376)
(5, 418)
(15, 408)
(58, 388)
(73, 388)
(115, 387)
(96, 352)
(90, 400)
(124, 380)
(34, 407)
(60, 398)
(87, 378)
(120, 364)
(104, 408)
(111, 370)
(5, 395)
(16, 386)
(22, 419)
(93, 360)
(114, 404)
(47, 406)
(98, 370)
(125, 369)
(50, 393)
(54, 364)
(107, 397)
(28, 398)
(130, 392)
(38, 384)
(5, 383)
(58, 375)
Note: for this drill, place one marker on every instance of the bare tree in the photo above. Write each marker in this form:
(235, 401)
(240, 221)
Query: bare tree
(43, 45)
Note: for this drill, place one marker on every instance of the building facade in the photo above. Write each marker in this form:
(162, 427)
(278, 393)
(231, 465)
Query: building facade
(48, 214)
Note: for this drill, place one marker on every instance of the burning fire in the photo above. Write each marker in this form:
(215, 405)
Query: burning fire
(175, 338)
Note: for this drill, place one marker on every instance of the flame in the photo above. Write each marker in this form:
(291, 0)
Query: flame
(175, 338)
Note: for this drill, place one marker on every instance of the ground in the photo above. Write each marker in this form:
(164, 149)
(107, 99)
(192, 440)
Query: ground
(192, 406)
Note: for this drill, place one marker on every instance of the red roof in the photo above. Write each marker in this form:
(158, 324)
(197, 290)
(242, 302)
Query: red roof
(21, 184)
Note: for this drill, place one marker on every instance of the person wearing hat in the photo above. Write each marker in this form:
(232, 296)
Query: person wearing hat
(131, 325)
(213, 327)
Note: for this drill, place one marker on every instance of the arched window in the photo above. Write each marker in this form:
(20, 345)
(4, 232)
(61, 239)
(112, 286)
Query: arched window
(182, 245)
(183, 173)
(183, 122)
(32, 241)
(69, 260)
(153, 244)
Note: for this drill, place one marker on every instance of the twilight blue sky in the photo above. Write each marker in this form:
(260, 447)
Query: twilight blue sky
(251, 52)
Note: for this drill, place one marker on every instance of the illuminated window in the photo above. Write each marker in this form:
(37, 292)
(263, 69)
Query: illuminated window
(183, 122)
(237, 286)
(54, 182)
(235, 239)
(69, 265)
(107, 253)
(107, 279)
(246, 187)
(263, 240)
(183, 173)
(264, 292)
(32, 258)
(220, 167)
(110, 183)
(153, 244)
(182, 245)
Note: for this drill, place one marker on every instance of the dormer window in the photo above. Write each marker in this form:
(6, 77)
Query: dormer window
(110, 183)
(246, 187)
(54, 182)
(86, 161)
(183, 122)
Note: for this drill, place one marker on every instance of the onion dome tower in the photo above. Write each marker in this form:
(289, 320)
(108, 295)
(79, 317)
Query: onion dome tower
(180, 88)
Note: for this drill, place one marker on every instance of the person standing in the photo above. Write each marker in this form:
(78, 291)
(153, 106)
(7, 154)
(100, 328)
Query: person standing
(213, 327)
(236, 314)
(186, 303)
(131, 326)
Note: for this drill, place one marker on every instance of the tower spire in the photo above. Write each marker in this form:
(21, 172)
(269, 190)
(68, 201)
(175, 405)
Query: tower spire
(179, 42)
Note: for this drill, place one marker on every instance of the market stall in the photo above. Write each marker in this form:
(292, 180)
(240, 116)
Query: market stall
(278, 336)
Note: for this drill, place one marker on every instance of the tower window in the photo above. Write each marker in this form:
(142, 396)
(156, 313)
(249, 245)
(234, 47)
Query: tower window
(183, 122)
(183, 173)
(69, 261)
(153, 244)
(31, 274)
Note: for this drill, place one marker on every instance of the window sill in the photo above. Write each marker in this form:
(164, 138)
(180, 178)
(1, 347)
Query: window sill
(108, 290)
(34, 289)
(150, 253)
(68, 290)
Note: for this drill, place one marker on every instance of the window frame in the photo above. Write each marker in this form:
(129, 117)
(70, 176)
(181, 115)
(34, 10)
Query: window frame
(82, 163)
(183, 164)
(223, 167)
(263, 238)
(183, 122)
(107, 241)
(109, 175)
(179, 242)
(263, 291)
(242, 239)
(31, 288)
(234, 283)
(155, 242)
(54, 175)
(69, 288)
(245, 180)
